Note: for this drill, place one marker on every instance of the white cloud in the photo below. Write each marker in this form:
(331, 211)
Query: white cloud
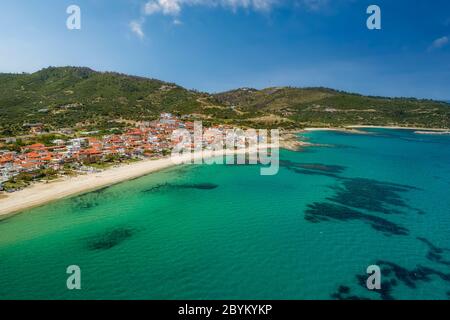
(167, 7)
(136, 27)
(174, 7)
(439, 43)
(152, 7)
(314, 5)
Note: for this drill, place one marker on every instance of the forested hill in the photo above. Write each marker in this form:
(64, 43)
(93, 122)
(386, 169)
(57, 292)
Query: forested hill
(73, 96)
(69, 96)
(326, 107)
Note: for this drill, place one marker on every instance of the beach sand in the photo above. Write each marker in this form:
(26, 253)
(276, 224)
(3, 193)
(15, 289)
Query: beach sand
(41, 193)
(356, 129)
(346, 130)
(397, 128)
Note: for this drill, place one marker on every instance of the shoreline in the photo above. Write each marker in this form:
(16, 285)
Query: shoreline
(354, 129)
(347, 130)
(398, 128)
(41, 193)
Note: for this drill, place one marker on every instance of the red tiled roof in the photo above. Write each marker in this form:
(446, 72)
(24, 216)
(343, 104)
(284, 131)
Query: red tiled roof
(36, 146)
(91, 151)
(7, 158)
(28, 165)
(32, 155)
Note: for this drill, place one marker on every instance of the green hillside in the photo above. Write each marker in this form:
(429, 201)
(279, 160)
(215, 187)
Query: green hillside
(73, 96)
(327, 107)
(65, 97)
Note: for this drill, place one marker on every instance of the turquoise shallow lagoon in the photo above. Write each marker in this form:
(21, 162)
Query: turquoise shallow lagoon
(225, 232)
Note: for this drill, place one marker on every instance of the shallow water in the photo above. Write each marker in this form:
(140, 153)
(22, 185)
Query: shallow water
(225, 232)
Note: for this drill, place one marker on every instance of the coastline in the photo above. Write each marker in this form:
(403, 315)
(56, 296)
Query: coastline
(42, 193)
(355, 129)
(346, 129)
(397, 128)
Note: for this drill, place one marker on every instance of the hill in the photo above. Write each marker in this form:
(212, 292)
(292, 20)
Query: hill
(80, 97)
(330, 108)
(72, 96)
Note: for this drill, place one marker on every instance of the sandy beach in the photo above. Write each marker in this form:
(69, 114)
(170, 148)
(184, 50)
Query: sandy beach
(41, 193)
(355, 129)
(347, 130)
(397, 128)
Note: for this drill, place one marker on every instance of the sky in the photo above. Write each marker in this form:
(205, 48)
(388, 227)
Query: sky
(218, 45)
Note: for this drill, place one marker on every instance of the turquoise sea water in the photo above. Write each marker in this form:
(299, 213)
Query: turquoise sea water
(225, 232)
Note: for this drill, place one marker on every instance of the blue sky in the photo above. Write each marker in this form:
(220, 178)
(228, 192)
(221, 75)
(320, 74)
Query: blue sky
(216, 45)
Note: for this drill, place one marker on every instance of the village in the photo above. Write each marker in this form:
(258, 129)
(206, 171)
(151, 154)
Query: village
(86, 154)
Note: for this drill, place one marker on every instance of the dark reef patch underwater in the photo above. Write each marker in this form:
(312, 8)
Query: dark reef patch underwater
(353, 195)
(344, 293)
(110, 238)
(435, 253)
(332, 171)
(392, 276)
(89, 200)
(318, 212)
(319, 167)
(171, 186)
(371, 195)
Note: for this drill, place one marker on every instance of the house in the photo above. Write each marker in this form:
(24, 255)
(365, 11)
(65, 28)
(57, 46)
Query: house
(166, 116)
(37, 129)
(58, 142)
(28, 166)
(77, 144)
(7, 168)
(66, 131)
(9, 140)
(90, 155)
(135, 134)
(37, 147)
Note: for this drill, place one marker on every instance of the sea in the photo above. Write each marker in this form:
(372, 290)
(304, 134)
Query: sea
(225, 232)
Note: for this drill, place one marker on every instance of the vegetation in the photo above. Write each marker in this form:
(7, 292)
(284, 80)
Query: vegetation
(73, 97)
(326, 107)
(109, 161)
(24, 179)
(79, 97)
